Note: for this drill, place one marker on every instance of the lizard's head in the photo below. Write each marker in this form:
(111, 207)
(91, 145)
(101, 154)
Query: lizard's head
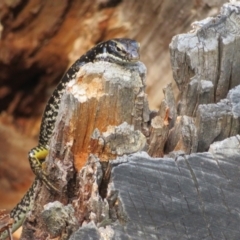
(119, 50)
(124, 50)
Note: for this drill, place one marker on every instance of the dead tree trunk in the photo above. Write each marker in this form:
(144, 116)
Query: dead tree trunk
(205, 66)
(102, 116)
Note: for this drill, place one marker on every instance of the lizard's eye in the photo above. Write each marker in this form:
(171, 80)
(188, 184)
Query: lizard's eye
(119, 49)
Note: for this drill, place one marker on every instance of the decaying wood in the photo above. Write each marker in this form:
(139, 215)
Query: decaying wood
(161, 124)
(205, 67)
(215, 122)
(101, 116)
(205, 62)
(159, 131)
(191, 197)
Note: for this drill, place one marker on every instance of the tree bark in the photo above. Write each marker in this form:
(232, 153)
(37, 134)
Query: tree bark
(205, 67)
(101, 117)
(181, 197)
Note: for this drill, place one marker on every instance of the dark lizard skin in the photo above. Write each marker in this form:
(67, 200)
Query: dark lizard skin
(120, 51)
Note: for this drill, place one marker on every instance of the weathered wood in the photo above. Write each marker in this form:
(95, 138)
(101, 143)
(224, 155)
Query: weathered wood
(205, 67)
(209, 54)
(101, 117)
(161, 122)
(159, 131)
(183, 137)
(39, 39)
(171, 198)
(215, 122)
(191, 197)
(6, 223)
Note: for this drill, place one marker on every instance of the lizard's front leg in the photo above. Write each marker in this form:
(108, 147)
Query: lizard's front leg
(36, 158)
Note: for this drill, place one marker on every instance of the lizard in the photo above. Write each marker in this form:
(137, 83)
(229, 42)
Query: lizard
(119, 51)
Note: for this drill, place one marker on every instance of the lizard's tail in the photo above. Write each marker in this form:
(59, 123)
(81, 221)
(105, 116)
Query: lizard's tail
(19, 212)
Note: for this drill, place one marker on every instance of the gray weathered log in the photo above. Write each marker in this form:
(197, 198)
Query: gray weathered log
(208, 53)
(215, 122)
(183, 136)
(193, 197)
(206, 67)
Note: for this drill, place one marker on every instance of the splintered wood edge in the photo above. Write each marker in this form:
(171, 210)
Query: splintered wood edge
(102, 97)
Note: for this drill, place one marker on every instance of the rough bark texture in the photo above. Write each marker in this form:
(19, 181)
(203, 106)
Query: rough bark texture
(193, 197)
(189, 196)
(39, 39)
(206, 67)
(102, 116)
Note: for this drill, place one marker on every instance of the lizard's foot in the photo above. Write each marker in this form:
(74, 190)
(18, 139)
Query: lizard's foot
(36, 158)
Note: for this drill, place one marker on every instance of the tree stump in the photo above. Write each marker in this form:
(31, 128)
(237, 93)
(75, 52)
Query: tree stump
(102, 116)
(205, 67)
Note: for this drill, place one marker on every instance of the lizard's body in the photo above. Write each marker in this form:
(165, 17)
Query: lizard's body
(120, 51)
